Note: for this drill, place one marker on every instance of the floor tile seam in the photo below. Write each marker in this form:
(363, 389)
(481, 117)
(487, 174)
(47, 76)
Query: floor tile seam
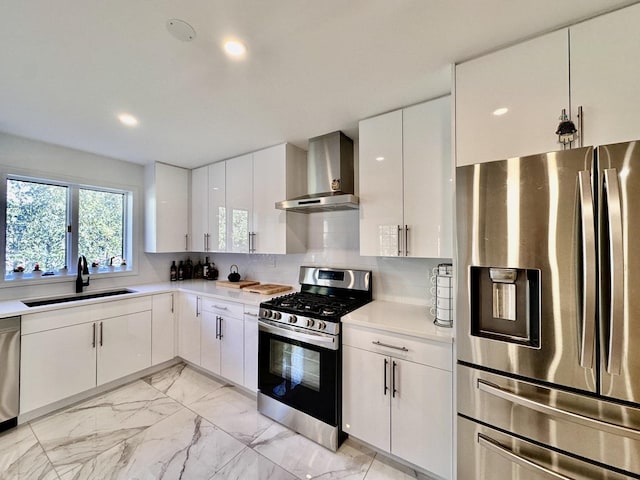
(228, 462)
(375, 455)
(267, 458)
(55, 470)
(218, 427)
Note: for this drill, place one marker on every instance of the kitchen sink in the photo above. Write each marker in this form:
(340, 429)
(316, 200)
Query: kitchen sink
(75, 298)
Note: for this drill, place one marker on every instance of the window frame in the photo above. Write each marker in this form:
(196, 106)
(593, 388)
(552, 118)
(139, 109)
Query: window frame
(72, 218)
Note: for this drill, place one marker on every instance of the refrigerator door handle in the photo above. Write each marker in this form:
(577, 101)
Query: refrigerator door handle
(558, 413)
(496, 447)
(611, 189)
(588, 243)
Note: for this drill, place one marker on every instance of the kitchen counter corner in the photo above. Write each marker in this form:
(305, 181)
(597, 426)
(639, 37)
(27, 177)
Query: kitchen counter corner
(406, 319)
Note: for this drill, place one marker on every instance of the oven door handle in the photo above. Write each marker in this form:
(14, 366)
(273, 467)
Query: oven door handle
(329, 342)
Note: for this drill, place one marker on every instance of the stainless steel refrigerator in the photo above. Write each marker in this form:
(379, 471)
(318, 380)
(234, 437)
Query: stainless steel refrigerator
(548, 316)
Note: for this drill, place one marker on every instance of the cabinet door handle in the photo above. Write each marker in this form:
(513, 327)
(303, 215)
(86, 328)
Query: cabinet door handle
(380, 344)
(93, 339)
(386, 364)
(217, 327)
(220, 307)
(100, 333)
(220, 323)
(251, 314)
(399, 242)
(186, 241)
(197, 306)
(406, 240)
(394, 390)
(580, 127)
(172, 305)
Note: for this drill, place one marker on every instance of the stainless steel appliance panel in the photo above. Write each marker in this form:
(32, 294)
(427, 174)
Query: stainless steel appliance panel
(608, 433)
(619, 230)
(9, 368)
(485, 453)
(513, 214)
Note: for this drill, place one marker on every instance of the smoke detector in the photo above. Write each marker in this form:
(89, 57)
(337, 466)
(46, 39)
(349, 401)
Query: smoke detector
(181, 30)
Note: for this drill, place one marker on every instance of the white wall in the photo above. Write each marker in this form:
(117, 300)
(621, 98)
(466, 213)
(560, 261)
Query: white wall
(23, 156)
(333, 236)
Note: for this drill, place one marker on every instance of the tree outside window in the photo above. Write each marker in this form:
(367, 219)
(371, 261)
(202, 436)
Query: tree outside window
(40, 227)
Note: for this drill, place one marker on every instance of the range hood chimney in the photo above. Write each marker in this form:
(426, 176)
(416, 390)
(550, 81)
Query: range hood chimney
(329, 176)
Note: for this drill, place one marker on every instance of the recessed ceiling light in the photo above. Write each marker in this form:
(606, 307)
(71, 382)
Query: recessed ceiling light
(379, 159)
(234, 48)
(128, 120)
(500, 111)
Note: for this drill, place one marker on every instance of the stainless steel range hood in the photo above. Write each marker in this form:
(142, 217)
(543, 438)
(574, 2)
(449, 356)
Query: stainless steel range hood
(330, 175)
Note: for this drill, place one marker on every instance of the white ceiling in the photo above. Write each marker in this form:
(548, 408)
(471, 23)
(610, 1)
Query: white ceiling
(67, 68)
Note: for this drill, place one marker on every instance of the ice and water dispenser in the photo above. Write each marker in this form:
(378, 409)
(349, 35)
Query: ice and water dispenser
(505, 304)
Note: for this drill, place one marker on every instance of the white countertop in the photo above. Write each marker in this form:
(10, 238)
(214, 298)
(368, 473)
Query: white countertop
(401, 318)
(11, 308)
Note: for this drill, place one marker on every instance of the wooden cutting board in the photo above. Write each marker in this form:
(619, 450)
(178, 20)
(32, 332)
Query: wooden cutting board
(267, 288)
(240, 284)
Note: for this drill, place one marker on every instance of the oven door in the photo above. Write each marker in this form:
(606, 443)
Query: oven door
(299, 369)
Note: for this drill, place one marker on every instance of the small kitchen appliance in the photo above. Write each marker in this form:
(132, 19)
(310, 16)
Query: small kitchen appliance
(299, 351)
(442, 296)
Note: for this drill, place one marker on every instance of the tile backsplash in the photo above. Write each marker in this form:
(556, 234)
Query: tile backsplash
(334, 242)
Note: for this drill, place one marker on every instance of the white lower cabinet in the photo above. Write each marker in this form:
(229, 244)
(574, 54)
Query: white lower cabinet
(399, 401)
(124, 346)
(56, 364)
(68, 351)
(189, 328)
(163, 328)
(222, 339)
(251, 348)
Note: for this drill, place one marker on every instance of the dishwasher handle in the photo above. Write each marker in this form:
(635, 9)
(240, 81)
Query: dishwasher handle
(9, 325)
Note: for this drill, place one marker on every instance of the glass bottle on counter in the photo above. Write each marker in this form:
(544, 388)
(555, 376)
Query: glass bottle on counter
(213, 272)
(205, 268)
(197, 270)
(188, 269)
(180, 271)
(173, 272)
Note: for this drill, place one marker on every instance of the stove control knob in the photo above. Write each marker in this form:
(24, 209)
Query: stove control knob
(266, 313)
(310, 322)
(322, 325)
(293, 319)
(277, 315)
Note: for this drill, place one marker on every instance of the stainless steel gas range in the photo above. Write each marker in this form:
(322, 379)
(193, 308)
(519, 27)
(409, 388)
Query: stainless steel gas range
(299, 351)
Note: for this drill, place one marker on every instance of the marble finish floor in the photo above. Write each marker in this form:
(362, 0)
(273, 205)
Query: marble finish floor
(177, 424)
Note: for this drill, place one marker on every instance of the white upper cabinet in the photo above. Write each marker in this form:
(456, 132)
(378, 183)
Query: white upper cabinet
(239, 202)
(381, 192)
(233, 203)
(405, 182)
(428, 194)
(254, 183)
(531, 80)
(166, 208)
(208, 212)
(605, 76)
(199, 208)
(279, 173)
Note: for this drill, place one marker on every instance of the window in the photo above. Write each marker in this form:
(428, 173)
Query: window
(51, 224)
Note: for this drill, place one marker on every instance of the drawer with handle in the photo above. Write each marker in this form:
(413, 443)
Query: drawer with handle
(413, 349)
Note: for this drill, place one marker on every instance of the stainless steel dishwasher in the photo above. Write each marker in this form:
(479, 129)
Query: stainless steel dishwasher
(9, 372)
